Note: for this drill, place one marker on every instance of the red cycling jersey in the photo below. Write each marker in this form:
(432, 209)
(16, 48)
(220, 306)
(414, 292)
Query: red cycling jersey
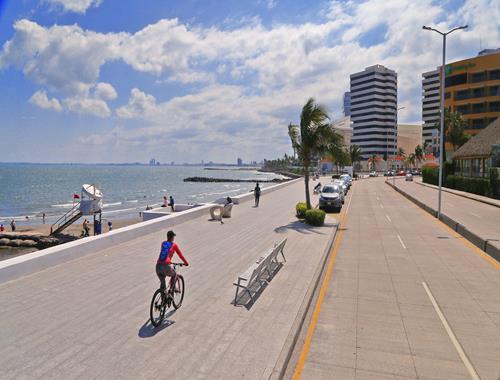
(168, 259)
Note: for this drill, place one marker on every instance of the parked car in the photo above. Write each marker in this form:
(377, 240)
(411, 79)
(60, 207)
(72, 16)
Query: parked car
(409, 177)
(373, 173)
(401, 173)
(331, 197)
(342, 185)
(347, 179)
(415, 172)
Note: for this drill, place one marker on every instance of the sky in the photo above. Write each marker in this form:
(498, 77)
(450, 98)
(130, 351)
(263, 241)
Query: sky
(127, 80)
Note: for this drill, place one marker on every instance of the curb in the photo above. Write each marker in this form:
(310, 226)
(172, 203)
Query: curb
(454, 192)
(483, 244)
(297, 330)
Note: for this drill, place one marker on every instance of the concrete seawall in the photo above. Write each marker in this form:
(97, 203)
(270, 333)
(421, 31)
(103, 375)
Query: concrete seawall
(32, 262)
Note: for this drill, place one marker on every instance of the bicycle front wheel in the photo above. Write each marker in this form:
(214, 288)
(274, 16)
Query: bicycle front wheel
(157, 308)
(178, 295)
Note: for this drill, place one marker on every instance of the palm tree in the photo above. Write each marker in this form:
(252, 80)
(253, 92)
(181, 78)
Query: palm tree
(310, 138)
(334, 149)
(454, 130)
(419, 154)
(355, 156)
(411, 160)
(373, 161)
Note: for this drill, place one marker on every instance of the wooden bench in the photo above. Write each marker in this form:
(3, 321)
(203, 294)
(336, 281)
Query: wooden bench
(258, 273)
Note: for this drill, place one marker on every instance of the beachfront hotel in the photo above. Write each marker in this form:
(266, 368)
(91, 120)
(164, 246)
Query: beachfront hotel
(472, 88)
(374, 105)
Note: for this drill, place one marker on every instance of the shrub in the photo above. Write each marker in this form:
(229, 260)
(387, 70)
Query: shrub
(430, 175)
(300, 209)
(315, 217)
(479, 186)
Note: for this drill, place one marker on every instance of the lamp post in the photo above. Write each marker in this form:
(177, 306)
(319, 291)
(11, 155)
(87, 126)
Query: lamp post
(441, 132)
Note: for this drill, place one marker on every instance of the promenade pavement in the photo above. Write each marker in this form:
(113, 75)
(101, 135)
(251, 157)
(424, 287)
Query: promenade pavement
(482, 219)
(377, 321)
(89, 318)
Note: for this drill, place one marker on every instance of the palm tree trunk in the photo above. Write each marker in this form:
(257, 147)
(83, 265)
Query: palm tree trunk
(306, 181)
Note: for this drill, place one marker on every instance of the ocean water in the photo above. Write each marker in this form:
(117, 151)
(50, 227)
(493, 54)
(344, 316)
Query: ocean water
(32, 189)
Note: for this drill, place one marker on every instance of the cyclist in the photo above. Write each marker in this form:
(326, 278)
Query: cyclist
(164, 265)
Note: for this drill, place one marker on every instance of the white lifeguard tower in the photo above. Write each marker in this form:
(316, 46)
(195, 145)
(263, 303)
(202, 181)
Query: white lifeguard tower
(90, 204)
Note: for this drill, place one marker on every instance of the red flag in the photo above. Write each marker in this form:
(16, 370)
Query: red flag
(76, 196)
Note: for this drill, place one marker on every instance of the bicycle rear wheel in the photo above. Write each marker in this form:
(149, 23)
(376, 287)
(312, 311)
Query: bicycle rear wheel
(157, 308)
(178, 294)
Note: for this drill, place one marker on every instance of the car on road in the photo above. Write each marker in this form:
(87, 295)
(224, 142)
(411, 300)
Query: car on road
(409, 177)
(415, 172)
(331, 197)
(347, 180)
(342, 185)
(401, 173)
(373, 173)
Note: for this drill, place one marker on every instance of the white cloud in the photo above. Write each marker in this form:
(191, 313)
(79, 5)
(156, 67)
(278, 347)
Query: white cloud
(77, 6)
(40, 99)
(252, 79)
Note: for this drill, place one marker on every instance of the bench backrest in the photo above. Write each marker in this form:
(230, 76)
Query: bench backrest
(227, 209)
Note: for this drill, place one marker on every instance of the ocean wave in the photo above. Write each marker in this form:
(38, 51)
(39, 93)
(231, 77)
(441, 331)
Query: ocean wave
(111, 204)
(63, 205)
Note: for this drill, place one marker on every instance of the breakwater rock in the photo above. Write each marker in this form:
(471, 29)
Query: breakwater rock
(208, 179)
(32, 241)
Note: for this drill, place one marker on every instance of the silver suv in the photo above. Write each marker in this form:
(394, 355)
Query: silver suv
(331, 197)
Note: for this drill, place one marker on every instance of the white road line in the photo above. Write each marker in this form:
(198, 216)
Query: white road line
(401, 241)
(381, 205)
(453, 338)
(389, 219)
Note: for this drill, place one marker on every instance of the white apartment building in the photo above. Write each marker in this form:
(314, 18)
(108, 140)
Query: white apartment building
(374, 105)
(430, 106)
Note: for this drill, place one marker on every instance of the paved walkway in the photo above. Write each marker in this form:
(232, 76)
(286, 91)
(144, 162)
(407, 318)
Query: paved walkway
(480, 218)
(89, 318)
(377, 320)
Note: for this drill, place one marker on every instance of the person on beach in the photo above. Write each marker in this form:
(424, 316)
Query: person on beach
(2, 228)
(13, 225)
(164, 265)
(172, 203)
(85, 227)
(110, 225)
(256, 193)
(43, 218)
(165, 202)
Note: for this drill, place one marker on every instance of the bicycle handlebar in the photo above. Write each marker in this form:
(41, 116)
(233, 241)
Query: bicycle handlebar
(179, 264)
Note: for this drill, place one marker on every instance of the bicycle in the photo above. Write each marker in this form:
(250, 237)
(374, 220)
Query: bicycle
(162, 300)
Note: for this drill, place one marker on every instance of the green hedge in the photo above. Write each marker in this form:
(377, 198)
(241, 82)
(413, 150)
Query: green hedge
(300, 210)
(315, 217)
(430, 175)
(478, 186)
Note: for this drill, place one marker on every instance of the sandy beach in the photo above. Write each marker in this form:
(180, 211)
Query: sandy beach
(70, 233)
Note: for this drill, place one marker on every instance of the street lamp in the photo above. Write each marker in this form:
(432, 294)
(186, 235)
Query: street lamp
(396, 138)
(441, 132)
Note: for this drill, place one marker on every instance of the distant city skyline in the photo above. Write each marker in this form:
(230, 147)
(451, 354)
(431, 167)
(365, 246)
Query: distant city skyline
(184, 81)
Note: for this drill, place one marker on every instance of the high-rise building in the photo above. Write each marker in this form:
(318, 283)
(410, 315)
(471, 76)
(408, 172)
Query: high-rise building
(430, 106)
(472, 88)
(344, 127)
(239, 162)
(347, 104)
(374, 105)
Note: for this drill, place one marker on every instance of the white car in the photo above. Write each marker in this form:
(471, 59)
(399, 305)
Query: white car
(347, 179)
(342, 185)
(373, 173)
(331, 196)
(409, 177)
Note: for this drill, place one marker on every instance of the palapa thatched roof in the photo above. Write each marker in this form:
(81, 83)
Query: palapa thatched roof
(480, 144)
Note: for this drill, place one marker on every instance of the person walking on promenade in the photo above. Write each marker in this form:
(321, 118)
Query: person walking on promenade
(164, 265)
(13, 225)
(110, 225)
(256, 193)
(172, 203)
(43, 218)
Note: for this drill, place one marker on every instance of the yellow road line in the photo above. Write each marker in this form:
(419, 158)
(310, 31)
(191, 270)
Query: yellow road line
(307, 343)
(455, 234)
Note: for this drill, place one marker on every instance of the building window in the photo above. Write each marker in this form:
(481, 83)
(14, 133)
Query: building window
(495, 74)
(494, 90)
(447, 95)
(495, 107)
(458, 167)
(461, 95)
(476, 163)
(478, 77)
(478, 108)
(466, 168)
(455, 80)
(478, 92)
(464, 110)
